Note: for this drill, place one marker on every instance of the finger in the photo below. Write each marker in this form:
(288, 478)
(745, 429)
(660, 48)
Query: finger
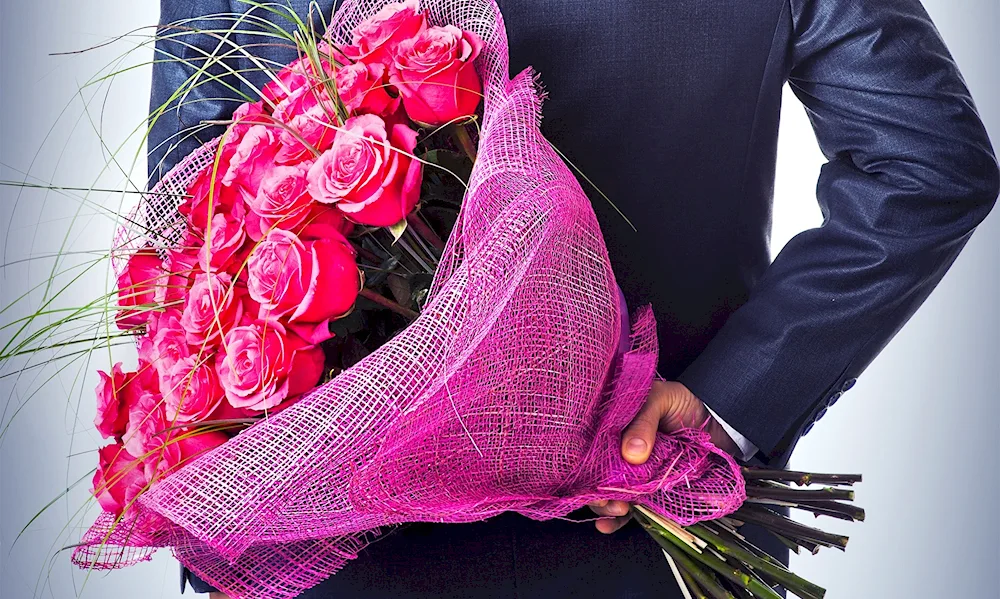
(612, 509)
(638, 438)
(610, 525)
(598, 503)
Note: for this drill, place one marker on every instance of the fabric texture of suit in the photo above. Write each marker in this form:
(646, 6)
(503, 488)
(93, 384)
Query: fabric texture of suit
(672, 110)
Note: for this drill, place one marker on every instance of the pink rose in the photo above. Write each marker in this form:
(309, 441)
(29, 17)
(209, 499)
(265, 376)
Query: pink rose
(262, 366)
(435, 75)
(254, 156)
(118, 480)
(310, 281)
(207, 196)
(282, 202)
(192, 389)
(375, 39)
(146, 421)
(324, 220)
(309, 114)
(169, 345)
(112, 404)
(211, 307)
(247, 115)
(364, 88)
(224, 240)
(137, 288)
(296, 75)
(367, 174)
(178, 274)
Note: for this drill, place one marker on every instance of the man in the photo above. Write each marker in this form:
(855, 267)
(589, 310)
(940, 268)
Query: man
(672, 109)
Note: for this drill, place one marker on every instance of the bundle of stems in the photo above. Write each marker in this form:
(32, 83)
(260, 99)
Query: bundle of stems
(713, 560)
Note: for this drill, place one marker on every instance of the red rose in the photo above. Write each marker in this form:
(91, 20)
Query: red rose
(282, 201)
(262, 366)
(192, 389)
(307, 280)
(137, 288)
(368, 173)
(435, 76)
(224, 240)
(364, 89)
(177, 449)
(375, 39)
(211, 308)
(179, 270)
(118, 480)
(296, 75)
(146, 421)
(112, 404)
(309, 114)
(253, 158)
(208, 196)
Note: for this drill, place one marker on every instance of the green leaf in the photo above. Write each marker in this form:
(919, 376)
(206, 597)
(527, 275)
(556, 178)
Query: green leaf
(397, 230)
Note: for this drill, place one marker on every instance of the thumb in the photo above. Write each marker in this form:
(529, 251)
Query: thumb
(638, 438)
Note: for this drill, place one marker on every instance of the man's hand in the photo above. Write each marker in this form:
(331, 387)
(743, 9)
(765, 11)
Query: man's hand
(669, 407)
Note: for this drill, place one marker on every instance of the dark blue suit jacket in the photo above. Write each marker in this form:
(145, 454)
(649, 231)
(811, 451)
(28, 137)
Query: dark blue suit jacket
(672, 109)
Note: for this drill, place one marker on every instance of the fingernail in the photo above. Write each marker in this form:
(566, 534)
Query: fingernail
(635, 446)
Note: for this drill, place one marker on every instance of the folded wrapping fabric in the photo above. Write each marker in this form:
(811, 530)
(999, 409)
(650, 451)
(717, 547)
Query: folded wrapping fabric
(508, 393)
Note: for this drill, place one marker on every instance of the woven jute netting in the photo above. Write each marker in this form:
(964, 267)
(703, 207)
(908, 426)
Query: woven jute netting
(508, 393)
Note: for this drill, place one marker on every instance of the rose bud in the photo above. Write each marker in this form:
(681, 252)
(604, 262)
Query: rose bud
(375, 39)
(435, 75)
(308, 281)
(364, 89)
(368, 173)
(112, 404)
(137, 288)
(211, 307)
(192, 389)
(263, 365)
(119, 478)
(282, 202)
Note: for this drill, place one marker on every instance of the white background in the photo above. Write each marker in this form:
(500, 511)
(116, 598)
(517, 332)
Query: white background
(920, 424)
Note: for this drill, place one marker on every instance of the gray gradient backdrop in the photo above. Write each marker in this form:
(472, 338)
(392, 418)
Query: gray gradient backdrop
(921, 423)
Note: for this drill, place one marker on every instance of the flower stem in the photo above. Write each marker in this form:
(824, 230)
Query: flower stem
(702, 579)
(779, 574)
(461, 136)
(727, 571)
(790, 528)
(800, 478)
(425, 232)
(787, 494)
(385, 302)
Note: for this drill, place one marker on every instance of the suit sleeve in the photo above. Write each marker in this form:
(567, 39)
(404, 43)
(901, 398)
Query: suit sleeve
(189, 56)
(910, 174)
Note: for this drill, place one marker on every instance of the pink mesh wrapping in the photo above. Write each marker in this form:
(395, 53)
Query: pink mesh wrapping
(508, 393)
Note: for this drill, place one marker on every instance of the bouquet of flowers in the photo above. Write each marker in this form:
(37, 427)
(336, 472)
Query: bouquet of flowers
(381, 297)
